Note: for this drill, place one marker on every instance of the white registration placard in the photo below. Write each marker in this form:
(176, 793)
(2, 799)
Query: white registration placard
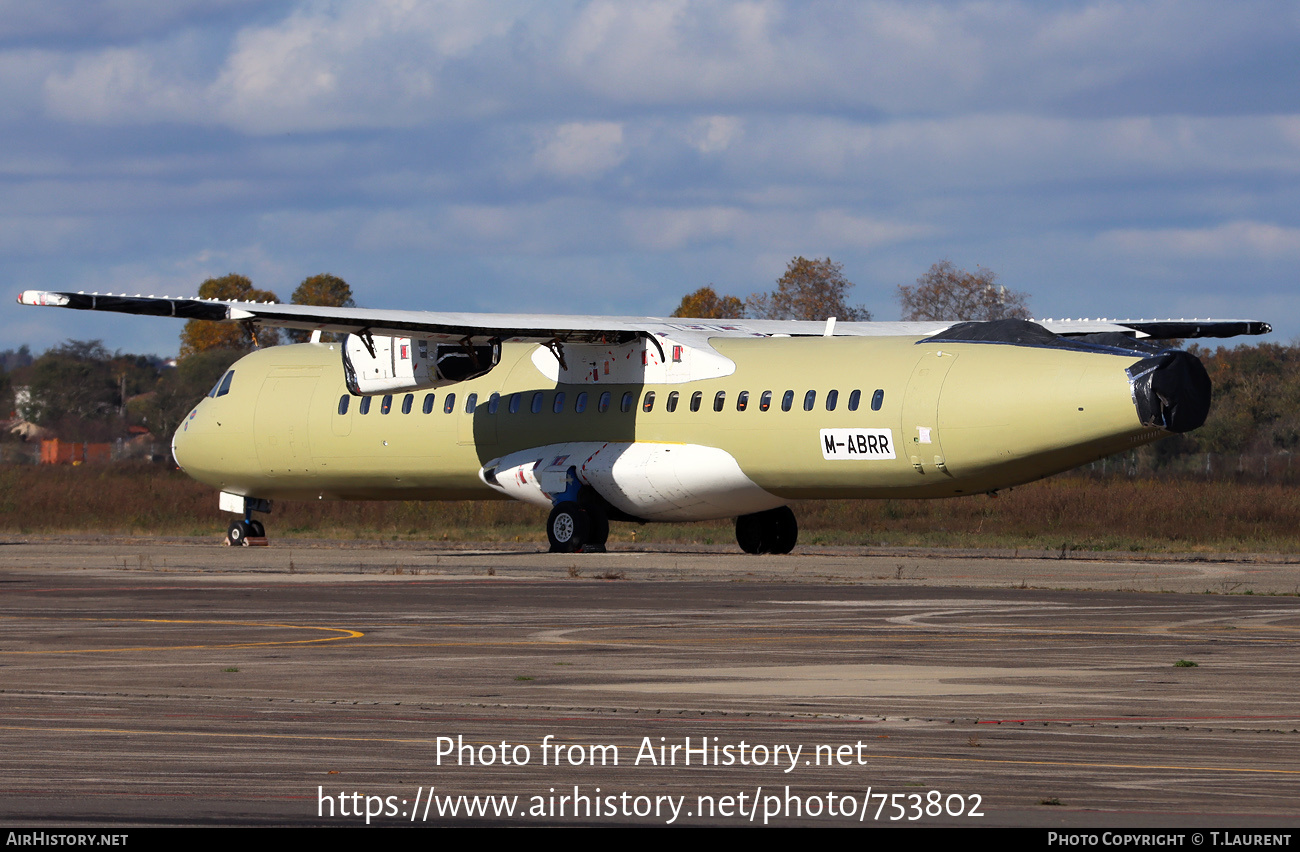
(857, 444)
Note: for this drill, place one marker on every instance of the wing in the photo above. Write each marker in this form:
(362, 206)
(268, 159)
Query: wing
(449, 327)
(547, 328)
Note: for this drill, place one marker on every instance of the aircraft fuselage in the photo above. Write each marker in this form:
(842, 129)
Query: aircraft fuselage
(802, 417)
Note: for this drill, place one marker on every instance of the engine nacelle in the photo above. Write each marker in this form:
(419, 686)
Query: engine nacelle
(394, 364)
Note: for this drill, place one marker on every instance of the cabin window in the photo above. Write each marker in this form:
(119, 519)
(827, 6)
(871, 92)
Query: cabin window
(449, 404)
(854, 399)
(387, 405)
(877, 399)
(428, 403)
(695, 400)
(536, 404)
(719, 400)
(742, 401)
(407, 402)
(648, 403)
(365, 405)
(493, 401)
(603, 405)
(832, 399)
(628, 402)
(343, 404)
(558, 404)
(514, 402)
(471, 403)
(809, 400)
(580, 404)
(787, 400)
(765, 401)
(671, 405)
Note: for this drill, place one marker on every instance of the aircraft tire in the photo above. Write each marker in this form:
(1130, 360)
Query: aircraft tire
(773, 531)
(237, 533)
(597, 530)
(568, 528)
(749, 533)
(256, 530)
(781, 531)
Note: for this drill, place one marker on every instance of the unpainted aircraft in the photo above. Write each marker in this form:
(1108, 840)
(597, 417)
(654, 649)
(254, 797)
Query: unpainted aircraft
(652, 419)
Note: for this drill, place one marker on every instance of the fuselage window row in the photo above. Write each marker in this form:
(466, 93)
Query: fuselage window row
(627, 403)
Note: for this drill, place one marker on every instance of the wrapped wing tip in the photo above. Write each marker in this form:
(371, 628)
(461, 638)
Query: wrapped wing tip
(42, 297)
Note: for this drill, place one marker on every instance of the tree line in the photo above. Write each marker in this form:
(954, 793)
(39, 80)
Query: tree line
(817, 290)
(81, 391)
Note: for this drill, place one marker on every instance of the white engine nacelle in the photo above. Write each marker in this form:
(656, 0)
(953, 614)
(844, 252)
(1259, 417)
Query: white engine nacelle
(393, 364)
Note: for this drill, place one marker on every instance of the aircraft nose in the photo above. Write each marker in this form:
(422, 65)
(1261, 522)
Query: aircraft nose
(180, 440)
(1171, 390)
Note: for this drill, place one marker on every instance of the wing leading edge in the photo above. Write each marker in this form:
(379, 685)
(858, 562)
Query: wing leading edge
(542, 328)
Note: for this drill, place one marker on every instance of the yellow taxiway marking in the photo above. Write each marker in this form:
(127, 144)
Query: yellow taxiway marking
(889, 634)
(345, 634)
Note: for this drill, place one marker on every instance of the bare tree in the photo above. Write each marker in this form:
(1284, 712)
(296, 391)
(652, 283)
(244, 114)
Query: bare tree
(946, 293)
(809, 290)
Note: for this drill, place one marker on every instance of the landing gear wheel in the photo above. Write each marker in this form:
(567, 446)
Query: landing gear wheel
(256, 530)
(782, 530)
(568, 528)
(238, 532)
(773, 531)
(749, 533)
(597, 530)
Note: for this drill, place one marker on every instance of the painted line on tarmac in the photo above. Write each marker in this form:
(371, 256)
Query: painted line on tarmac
(346, 633)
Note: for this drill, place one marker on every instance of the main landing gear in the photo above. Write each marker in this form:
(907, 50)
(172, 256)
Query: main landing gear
(773, 531)
(575, 528)
(582, 526)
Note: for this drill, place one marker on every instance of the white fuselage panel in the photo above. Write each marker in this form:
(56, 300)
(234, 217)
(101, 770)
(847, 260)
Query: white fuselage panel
(653, 481)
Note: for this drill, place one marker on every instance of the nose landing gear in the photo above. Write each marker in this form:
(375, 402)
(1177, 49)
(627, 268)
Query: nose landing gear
(245, 532)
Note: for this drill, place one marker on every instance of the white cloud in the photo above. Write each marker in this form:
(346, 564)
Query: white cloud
(24, 235)
(22, 75)
(1245, 240)
(374, 64)
(120, 86)
(113, 19)
(580, 149)
(715, 133)
(665, 229)
(401, 63)
(758, 229)
(846, 229)
(668, 142)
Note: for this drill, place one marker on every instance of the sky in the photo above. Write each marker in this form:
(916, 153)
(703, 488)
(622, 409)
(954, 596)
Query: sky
(1112, 159)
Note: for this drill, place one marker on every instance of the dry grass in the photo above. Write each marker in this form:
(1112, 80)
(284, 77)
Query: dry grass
(1063, 514)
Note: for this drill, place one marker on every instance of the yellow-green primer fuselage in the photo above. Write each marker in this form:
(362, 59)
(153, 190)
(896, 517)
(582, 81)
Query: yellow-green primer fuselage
(943, 419)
